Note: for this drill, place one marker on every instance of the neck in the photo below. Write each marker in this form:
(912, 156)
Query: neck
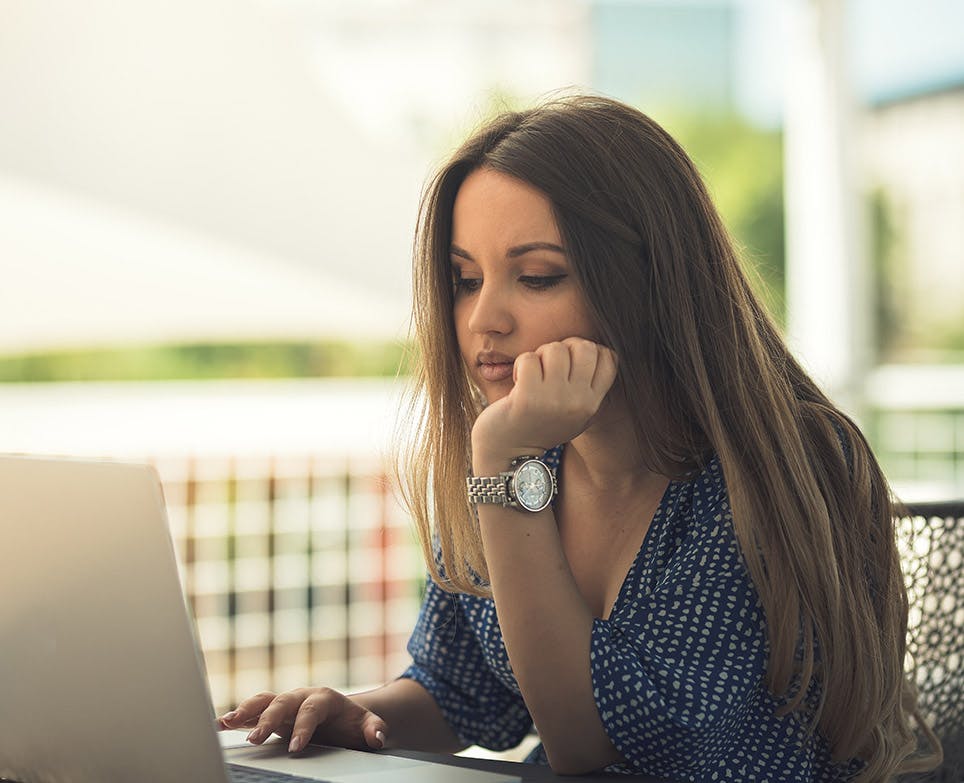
(607, 454)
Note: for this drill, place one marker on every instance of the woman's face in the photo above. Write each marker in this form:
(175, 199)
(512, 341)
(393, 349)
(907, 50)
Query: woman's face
(513, 287)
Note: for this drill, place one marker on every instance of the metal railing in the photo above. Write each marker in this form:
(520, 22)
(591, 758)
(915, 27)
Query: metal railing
(298, 571)
(915, 422)
(931, 544)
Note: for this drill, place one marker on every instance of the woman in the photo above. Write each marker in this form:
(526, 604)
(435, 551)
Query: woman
(674, 554)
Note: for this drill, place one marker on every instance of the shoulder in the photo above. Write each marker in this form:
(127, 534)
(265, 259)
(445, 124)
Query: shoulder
(706, 489)
(701, 502)
(697, 532)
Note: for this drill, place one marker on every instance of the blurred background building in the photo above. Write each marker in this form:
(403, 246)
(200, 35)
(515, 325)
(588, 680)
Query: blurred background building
(206, 217)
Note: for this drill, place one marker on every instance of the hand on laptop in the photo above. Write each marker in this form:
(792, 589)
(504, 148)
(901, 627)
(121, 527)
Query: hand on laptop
(320, 714)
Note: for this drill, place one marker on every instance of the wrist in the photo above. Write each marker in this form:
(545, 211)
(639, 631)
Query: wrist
(491, 463)
(525, 483)
(493, 448)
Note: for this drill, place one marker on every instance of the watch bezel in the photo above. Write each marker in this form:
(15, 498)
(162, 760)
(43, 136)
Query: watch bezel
(514, 498)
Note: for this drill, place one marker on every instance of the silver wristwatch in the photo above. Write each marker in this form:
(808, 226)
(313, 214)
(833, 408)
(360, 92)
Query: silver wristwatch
(530, 485)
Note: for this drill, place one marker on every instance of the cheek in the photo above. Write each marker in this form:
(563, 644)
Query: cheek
(586, 323)
(572, 319)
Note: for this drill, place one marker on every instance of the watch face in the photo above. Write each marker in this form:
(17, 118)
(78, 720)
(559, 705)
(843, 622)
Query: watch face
(533, 485)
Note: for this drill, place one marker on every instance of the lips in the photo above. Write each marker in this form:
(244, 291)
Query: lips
(495, 372)
(494, 366)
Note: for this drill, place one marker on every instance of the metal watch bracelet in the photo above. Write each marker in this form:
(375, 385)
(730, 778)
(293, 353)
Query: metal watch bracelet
(488, 489)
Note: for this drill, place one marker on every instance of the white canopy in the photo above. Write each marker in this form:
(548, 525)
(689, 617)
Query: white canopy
(76, 273)
(172, 171)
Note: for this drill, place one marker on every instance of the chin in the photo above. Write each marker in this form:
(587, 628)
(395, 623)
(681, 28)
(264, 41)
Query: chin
(491, 392)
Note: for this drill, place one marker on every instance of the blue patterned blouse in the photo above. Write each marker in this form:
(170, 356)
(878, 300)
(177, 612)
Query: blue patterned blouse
(677, 668)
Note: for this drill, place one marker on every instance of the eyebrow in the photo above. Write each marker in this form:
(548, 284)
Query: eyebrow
(512, 252)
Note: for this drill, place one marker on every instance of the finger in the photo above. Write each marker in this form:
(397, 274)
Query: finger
(607, 367)
(236, 723)
(556, 362)
(374, 729)
(314, 711)
(224, 722)
(278, 716)
(584, 355)
(527, 370)
(247, 713)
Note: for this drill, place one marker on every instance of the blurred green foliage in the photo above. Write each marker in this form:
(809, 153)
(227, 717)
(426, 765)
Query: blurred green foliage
(742, 166)
(209, 361)
(905, 331)
(886, 275)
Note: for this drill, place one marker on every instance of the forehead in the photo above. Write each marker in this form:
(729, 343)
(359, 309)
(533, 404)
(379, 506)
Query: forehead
(492, 208)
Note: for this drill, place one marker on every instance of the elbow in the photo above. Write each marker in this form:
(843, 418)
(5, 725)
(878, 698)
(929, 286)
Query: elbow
(587, 749)
(574, 762)
(570, 768)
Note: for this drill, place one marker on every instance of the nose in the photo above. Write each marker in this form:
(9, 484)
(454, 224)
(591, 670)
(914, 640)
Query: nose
(491, 311)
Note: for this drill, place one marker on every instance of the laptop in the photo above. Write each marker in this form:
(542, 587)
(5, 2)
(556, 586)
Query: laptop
(101, 679)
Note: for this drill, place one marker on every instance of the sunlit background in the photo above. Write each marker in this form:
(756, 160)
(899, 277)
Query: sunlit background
(206, 218)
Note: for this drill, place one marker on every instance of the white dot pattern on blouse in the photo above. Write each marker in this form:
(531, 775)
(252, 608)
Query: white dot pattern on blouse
(677, 668)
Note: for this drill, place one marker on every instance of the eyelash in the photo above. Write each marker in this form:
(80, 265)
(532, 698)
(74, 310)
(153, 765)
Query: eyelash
(534, 282)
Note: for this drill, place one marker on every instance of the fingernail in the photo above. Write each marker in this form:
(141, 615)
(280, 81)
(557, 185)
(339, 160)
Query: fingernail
(380, 736)
(296, 744)
(230, 715)
(254, 736)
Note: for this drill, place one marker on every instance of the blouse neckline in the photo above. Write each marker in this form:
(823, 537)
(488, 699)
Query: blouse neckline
(667, 503)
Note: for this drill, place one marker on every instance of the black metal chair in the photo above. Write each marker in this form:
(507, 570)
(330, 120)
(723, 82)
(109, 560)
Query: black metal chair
(931, 542)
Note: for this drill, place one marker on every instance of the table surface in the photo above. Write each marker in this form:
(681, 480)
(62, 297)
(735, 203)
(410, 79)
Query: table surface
(528, 772)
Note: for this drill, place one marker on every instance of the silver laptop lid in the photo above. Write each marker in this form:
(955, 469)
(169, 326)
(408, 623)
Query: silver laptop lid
(85, 553)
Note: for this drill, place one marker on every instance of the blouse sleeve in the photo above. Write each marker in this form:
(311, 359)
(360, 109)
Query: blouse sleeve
(676, 673)
(447, 661)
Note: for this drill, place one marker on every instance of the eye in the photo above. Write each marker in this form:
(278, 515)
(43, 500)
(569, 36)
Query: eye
(541, 282)
(465, 284)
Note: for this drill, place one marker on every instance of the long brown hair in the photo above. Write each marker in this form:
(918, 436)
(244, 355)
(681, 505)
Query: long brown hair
(705, 372)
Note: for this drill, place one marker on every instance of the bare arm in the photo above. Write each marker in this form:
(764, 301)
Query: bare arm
(541, 609)
(545, 621)
(414, 719)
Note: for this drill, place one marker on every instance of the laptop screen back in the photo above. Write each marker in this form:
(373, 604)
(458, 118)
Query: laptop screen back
(99, 671)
